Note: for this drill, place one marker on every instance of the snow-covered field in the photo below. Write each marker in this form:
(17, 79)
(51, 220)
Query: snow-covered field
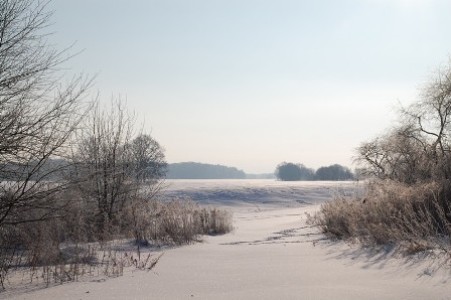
(271, 254)
(265, 192)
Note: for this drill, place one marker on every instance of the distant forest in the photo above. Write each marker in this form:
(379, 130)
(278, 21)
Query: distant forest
(284, 171)
(287, 171)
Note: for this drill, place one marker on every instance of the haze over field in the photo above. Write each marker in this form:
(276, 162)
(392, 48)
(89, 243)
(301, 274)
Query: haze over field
(253, 83)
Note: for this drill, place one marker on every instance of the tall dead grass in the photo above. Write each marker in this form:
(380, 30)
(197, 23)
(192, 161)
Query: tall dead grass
(64, 249)
(176, 222)
(415, 217)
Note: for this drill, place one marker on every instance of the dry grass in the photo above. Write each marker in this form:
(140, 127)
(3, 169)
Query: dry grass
(91, 260)
(177, 222)
(416, 217)
(61, 249)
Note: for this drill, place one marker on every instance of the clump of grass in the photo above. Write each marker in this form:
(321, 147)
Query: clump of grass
(415, 217)
(177, 222)
(213, 221)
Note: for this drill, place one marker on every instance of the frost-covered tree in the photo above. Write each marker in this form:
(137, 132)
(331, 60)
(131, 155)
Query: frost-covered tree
(112, 169)
(419, 149)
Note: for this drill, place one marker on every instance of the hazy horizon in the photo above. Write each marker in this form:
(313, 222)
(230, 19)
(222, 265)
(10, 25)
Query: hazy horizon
(252, 173)
(250, 84)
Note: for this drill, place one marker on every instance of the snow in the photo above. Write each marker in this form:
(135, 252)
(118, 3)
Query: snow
(267, 192)
(271, 254)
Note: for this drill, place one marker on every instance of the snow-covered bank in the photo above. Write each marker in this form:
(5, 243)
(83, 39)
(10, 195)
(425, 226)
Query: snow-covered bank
(271, 254)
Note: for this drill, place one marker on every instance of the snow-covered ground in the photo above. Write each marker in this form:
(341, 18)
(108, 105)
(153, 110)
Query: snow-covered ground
(271, 254)
(236, 193)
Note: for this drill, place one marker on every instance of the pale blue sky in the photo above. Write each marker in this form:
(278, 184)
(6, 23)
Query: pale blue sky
(252, 83)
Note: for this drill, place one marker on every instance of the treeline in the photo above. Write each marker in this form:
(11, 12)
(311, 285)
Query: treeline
(194, 170)
(287, 171)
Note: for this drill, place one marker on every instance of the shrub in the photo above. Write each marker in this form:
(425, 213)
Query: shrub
(410, 202)
(390, 213)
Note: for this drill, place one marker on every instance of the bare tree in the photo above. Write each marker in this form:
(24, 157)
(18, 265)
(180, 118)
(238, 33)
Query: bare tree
(111, 166)
(102, 162)
(420, 148)
(411, 205)
(395, 156)
(38, 114)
